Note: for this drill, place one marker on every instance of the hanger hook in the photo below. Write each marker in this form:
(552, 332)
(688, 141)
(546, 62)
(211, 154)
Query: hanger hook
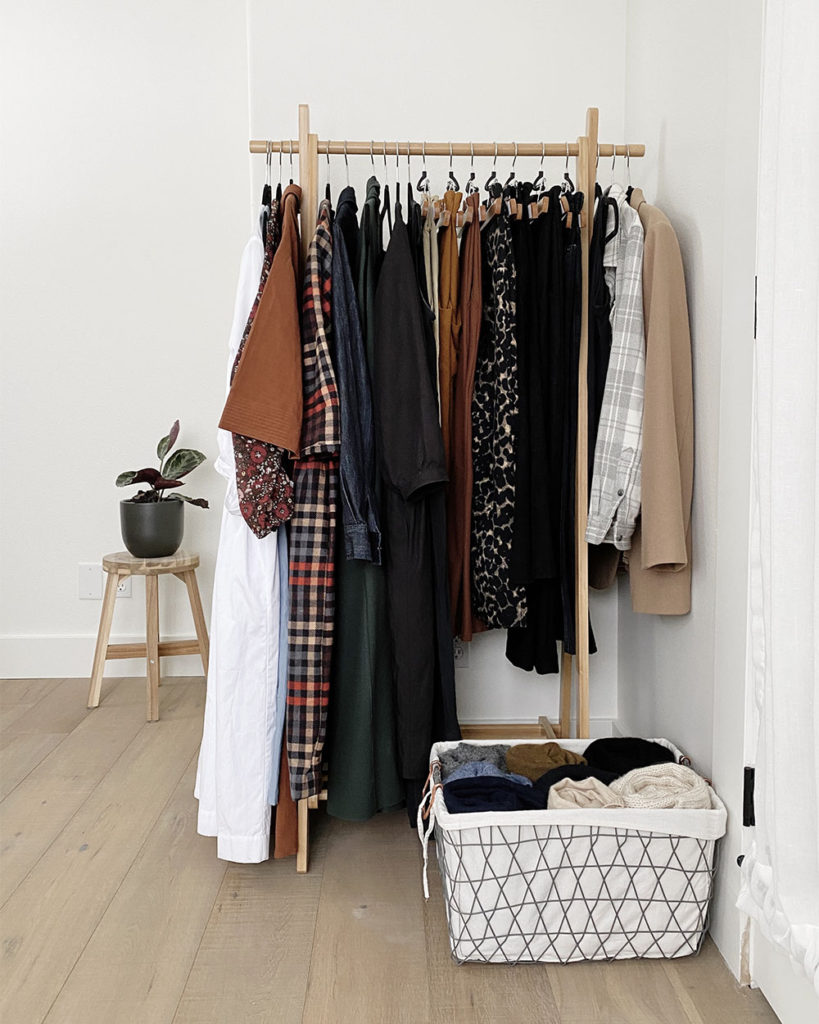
(384, 154)
(628, 165)
(396, 161)
(515, 157)
(471, 156)
(494, 162)
(291, 160)
(567, 157)
(597, 161)
(281, 147)
(372, 158)
(542, 155)
(346, 163)
(613, 161)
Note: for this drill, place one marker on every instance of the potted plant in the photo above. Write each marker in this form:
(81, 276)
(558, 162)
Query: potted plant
(153, 522)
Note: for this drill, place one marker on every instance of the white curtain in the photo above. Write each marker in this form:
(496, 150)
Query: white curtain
(781, 871)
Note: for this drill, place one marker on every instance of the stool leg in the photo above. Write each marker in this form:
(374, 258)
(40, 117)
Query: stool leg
(189, 579)
(104, 632)
(152, 644)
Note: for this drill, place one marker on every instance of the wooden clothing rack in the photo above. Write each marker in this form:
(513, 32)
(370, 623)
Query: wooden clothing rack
(586, 151)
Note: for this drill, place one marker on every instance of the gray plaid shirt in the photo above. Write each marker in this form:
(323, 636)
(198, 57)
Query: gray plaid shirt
(615, 491)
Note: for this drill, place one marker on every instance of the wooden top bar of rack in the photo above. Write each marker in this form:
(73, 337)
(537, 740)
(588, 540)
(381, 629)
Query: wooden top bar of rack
(379, 148)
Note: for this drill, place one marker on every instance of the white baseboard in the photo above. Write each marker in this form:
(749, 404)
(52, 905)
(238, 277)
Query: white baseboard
(69, 656)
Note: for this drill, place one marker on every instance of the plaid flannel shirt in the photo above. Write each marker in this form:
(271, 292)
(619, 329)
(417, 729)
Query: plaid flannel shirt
(614, 503)
(313, 527)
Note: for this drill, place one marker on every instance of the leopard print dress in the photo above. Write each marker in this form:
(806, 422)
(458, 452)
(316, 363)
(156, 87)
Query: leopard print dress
(494, 424)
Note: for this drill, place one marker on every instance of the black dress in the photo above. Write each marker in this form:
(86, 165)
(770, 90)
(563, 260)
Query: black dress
(551, 594)
(411, 455)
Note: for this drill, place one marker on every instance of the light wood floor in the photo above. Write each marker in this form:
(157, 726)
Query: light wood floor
(113, 909)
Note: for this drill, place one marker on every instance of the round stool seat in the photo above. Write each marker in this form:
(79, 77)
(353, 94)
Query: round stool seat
(123, 562)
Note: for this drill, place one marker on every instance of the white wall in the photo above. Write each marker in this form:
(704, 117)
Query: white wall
(148, 106)
(685, 677)
(124, 206)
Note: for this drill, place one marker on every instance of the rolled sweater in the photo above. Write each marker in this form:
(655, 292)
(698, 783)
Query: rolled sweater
(576, 795)
(464, 753)
(663, 785)
(534, 759)
(575, 772)
(472, 769)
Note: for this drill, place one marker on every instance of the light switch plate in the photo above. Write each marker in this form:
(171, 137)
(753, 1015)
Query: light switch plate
(89, 580)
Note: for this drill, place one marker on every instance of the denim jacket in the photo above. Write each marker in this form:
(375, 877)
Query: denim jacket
(362, 536)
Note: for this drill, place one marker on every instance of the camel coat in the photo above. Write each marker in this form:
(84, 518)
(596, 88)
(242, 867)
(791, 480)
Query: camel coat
(660, 556)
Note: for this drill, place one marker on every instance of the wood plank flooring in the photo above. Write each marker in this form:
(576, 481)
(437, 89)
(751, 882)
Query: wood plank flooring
(113, 909)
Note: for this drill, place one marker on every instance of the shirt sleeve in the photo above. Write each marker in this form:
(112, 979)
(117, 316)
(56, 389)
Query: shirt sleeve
(250, 273)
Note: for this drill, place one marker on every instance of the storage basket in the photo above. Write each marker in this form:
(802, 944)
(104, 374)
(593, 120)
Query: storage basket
(559, 886)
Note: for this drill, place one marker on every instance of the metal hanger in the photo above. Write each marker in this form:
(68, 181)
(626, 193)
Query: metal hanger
(268, 163)
(511, 177)
(469, 188)
(291, 161)
(423, 181)
(598, 191)
(493, 177)
(327, 193)
(539, 184)
(452, 182)
(346, 163)
(567, 185)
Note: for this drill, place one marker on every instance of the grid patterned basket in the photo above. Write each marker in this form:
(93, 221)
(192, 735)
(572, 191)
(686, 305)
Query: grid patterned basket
(560, 886)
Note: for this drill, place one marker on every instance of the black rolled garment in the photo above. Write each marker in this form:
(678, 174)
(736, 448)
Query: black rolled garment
(491, 793)
(622, 754)
(411, 454)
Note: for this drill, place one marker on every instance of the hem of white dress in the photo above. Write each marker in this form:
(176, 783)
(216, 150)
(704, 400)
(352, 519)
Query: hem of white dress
(239, 849)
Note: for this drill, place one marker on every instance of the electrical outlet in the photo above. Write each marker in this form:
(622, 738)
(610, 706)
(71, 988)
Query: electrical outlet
(460, 653)
(89, 581)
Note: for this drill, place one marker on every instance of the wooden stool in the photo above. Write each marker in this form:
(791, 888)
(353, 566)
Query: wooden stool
(118, 567)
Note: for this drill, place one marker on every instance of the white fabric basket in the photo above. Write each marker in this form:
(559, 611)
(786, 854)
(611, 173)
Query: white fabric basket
(560, 886)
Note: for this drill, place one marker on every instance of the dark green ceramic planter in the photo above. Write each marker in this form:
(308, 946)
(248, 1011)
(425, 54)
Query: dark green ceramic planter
(152, 529)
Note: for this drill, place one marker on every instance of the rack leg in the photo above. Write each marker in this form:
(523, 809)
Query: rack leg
(303, 852)
(566, 696)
